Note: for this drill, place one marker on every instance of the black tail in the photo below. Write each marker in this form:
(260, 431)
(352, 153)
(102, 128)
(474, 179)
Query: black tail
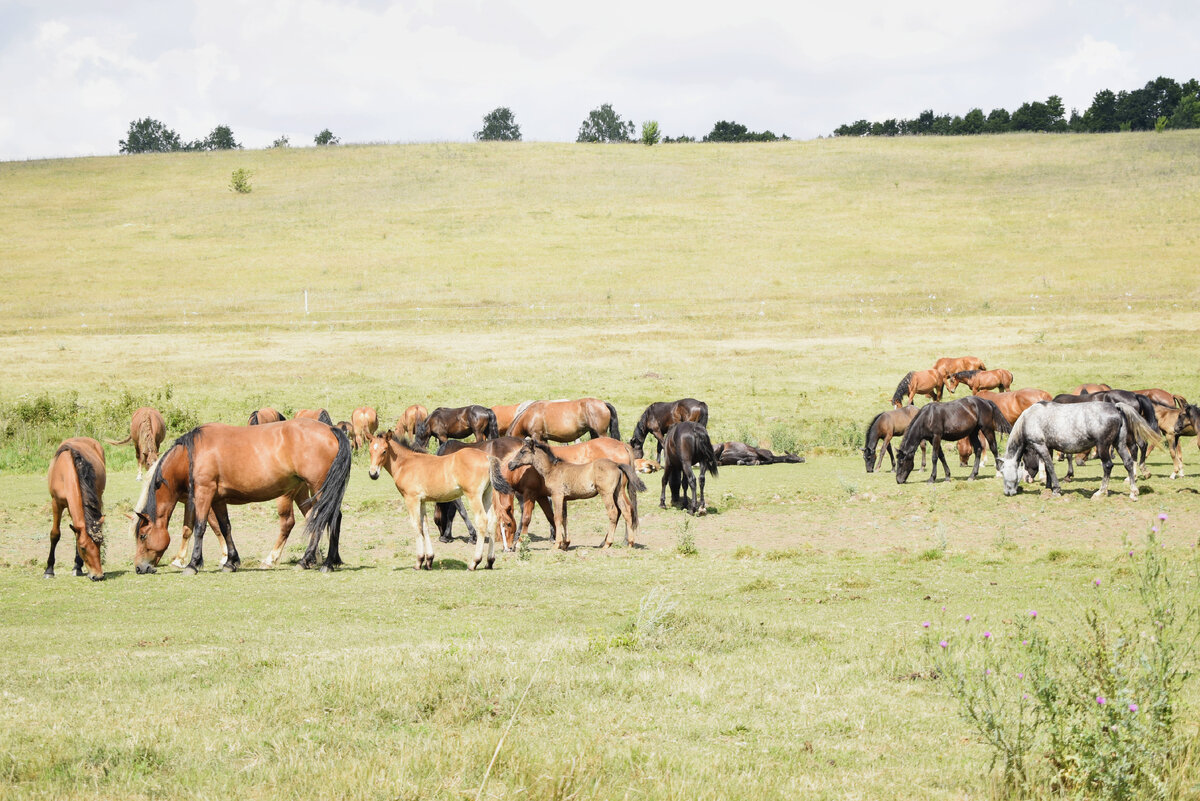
(253, 418)
(325, 418)
(704, 454)
(498, 482)
(92, 508)
(614, 429)
(1000, 423)
(493, 429)
(703, 414)
(902, 390)
(421, 434)
(328, 499)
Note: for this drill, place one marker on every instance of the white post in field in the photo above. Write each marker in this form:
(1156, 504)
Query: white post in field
(306, 301)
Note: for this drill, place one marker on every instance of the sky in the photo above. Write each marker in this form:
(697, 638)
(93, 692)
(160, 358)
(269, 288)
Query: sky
(75, 73)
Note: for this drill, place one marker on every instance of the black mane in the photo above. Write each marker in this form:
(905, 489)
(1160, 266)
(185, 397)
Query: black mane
(902, 389)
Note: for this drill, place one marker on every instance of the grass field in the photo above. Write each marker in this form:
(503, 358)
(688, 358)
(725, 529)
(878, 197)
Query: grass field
(789, 285)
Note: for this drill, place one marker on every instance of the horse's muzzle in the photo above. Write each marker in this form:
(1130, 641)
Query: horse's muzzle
(373, 473)
(144, 567)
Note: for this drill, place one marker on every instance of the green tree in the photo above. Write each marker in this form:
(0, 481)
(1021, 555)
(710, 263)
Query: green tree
(499, 125)
(726, 131)
(221, 138)
(282, 141)
(650, 134)
(605, 125)
(974, 121)
(1187, 113)
(326, 137)
(1101, 116)
(148, 135)
(998, 121)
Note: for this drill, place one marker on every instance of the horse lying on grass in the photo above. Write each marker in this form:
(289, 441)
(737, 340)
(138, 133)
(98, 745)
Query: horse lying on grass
(741, 453)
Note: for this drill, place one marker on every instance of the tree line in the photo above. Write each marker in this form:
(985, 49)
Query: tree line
(1162, 103)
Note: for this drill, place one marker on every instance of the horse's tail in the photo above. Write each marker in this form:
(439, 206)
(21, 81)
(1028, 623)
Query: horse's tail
(325, 418)
(85, 475)
(634, 482)
(328, 499)
(1146, 409)
(493, 428)
(703, 420)
(253, 421)
(498, 482)
(614, 428)
(146, 436)
(125, 441)
(1000, 423)
(1138, 427)
(704, 451)
(1180, 401)
(902, 389)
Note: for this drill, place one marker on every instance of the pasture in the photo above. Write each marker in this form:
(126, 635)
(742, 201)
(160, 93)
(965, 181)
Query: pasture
(789, 285)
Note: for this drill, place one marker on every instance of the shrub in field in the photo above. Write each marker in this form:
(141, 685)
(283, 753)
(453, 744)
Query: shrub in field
(650, 135)
(1088, 707)
(326, 137)
(784, 439)
(685, 544)
(240, 181)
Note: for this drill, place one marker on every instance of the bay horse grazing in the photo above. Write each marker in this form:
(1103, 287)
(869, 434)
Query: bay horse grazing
(918, 382)
(659, 417)
(265, 415)
(1161, 396)
(445, 423)
(443, 513)
(687, 444)
(880, 431)
(1175, 421)
(566, 420)
(216, 465)
(972, 417)
(421, 477)
(977, 380)
(616, 484)
(741, 453)
(364, 421)
(506, 414)
(146, 432)
(1074, 428)
(315, 414)
(947, 366)
(76, 482)
(406, 424)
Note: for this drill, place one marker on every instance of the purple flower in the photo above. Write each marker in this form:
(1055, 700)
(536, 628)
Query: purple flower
(1101, 700)
(1097, 581)
(1131, 553)
(1025, 696)
(967, 618)
(943, 609)
(925, 625)
(1134, 707)
(1033, 613)
(987, 635)
(1024, 642)
(987, 672)
(943, 643)
(1020, 675)
(1162, 516)
(1154, 529)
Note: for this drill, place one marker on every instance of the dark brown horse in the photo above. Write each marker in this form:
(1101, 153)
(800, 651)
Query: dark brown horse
(265, 415)
(1163, 397)
(687, 444)
(658, 419)
(918, 382)
(77, 484)
(742, 453)
(977, 380)
(315, 414)
(460, 422)
(146, 432)
(567, 420)
(880, 431)
(216, 465)
(1011, 404)
(971, 417)
(948, 365)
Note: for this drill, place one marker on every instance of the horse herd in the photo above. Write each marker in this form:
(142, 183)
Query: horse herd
(1093, 416)
(305, 463)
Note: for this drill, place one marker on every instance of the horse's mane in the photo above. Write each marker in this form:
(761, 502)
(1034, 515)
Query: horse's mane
(873, 432)
(919, 428)
(146, 504)
(541, 446)
(524, 407)
(902, 390)
(641, 429)
(403, 442)
(963, 375)
(85, 472)
(253, 421)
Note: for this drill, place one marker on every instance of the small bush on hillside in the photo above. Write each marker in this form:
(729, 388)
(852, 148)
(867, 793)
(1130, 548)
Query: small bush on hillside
(240, 181)
(650, 135)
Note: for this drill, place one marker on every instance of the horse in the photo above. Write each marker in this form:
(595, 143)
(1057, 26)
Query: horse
(567, 420)
(445, 423)
(443, 513)
(1073, 429)
(421, 477)
(646, 465)
(659, 417)
(918, 382)
(1011, 404)
(215, 465)
(506, 414)
(406, 424)
(1082, 388)
(364, 421)
(564, 482)
(265, 415)
(1188, 425)
(741, 453)
(146, 432)
(977, 380)
(1145, 408)
(347, 428)
(315, 414)
(76, 480)
(687, 444)
(946, 366)
(1163, 397)
(1176, 421)
(884, 426)
(966, 417)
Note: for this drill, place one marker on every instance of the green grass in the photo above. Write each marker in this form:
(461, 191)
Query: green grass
(790, 286)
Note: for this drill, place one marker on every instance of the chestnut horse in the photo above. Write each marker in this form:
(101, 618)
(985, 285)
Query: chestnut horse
(659, 417)
(444, 512)
(616, 484)
(506, 414)
(146, 432)
(406, 424)
(566, 420)
(265, 415)
(460, 422)
(918, 382)
(1082, 388)
(77, 484)
(977, 380)
(315, 414)
(880, 431)
(1156, 395)
(363, 421)
(216, 465)
(1176, 422)
(422, 477)
(947, 366)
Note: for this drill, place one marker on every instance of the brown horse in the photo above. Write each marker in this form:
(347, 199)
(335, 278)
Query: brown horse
(146, 432)
(459, 422)
(564, 482)
(363, 421)
(265, 415)
(880, 431)
(948, 366)
(77, 484)
(567, 420)
(1174, 421)
(1011, 404)
(422, 477)
(646, 466)
(1090, 388)
(216, 465)
(918, 382)
(659, 417)
(406, 424)
(506, 414)
(978, 380)
(1161, 396)
(315, 414)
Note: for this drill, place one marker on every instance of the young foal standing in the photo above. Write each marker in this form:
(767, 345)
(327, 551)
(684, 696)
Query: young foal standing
(77, 484)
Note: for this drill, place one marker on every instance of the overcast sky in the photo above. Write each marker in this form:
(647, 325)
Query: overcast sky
(75, 73)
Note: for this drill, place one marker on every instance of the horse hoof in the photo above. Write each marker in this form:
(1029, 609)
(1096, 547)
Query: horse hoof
(326, 569)
(97, 578)
(176, 562)
(445, 539)
(48, 574)
(489, 563)
(189, 571)
(472, 566)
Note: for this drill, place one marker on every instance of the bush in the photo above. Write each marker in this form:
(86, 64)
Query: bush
(282, 141)
(650, 135)
(499, 125)
(326, 137)
(240, 181)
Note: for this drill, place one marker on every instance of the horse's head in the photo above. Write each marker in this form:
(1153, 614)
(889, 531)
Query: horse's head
(904, 464)
(869, 457)
(1010, 472)
(952, 382)
(524, 455)
(643, 465)
(506, 522)
(379, 452)
(421, 434)
(150, 517)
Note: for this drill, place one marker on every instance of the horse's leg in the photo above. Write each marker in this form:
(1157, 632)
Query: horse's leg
(658, 447)
(935, 445)
(230, 561)
(472, 532)
(625, 502)
(560, 521)
(1070, 476)
(1103, 450)
(1127, 458)
(55, 533)
(703, 505)
(885, 448)
(189, 522)
(287, 521)
(614, 514)
(202, 500)
(694, 505)
(1176, 459)
(416, 514)
(485, 519)
(426, 539)
(662, 496)
(1047, 461)
(977, 449)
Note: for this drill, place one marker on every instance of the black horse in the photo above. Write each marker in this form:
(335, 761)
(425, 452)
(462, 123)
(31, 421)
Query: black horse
(658, 419)
(935, 422)
(458, 423)
(685, 445)
(741, 453)
(443, 513)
